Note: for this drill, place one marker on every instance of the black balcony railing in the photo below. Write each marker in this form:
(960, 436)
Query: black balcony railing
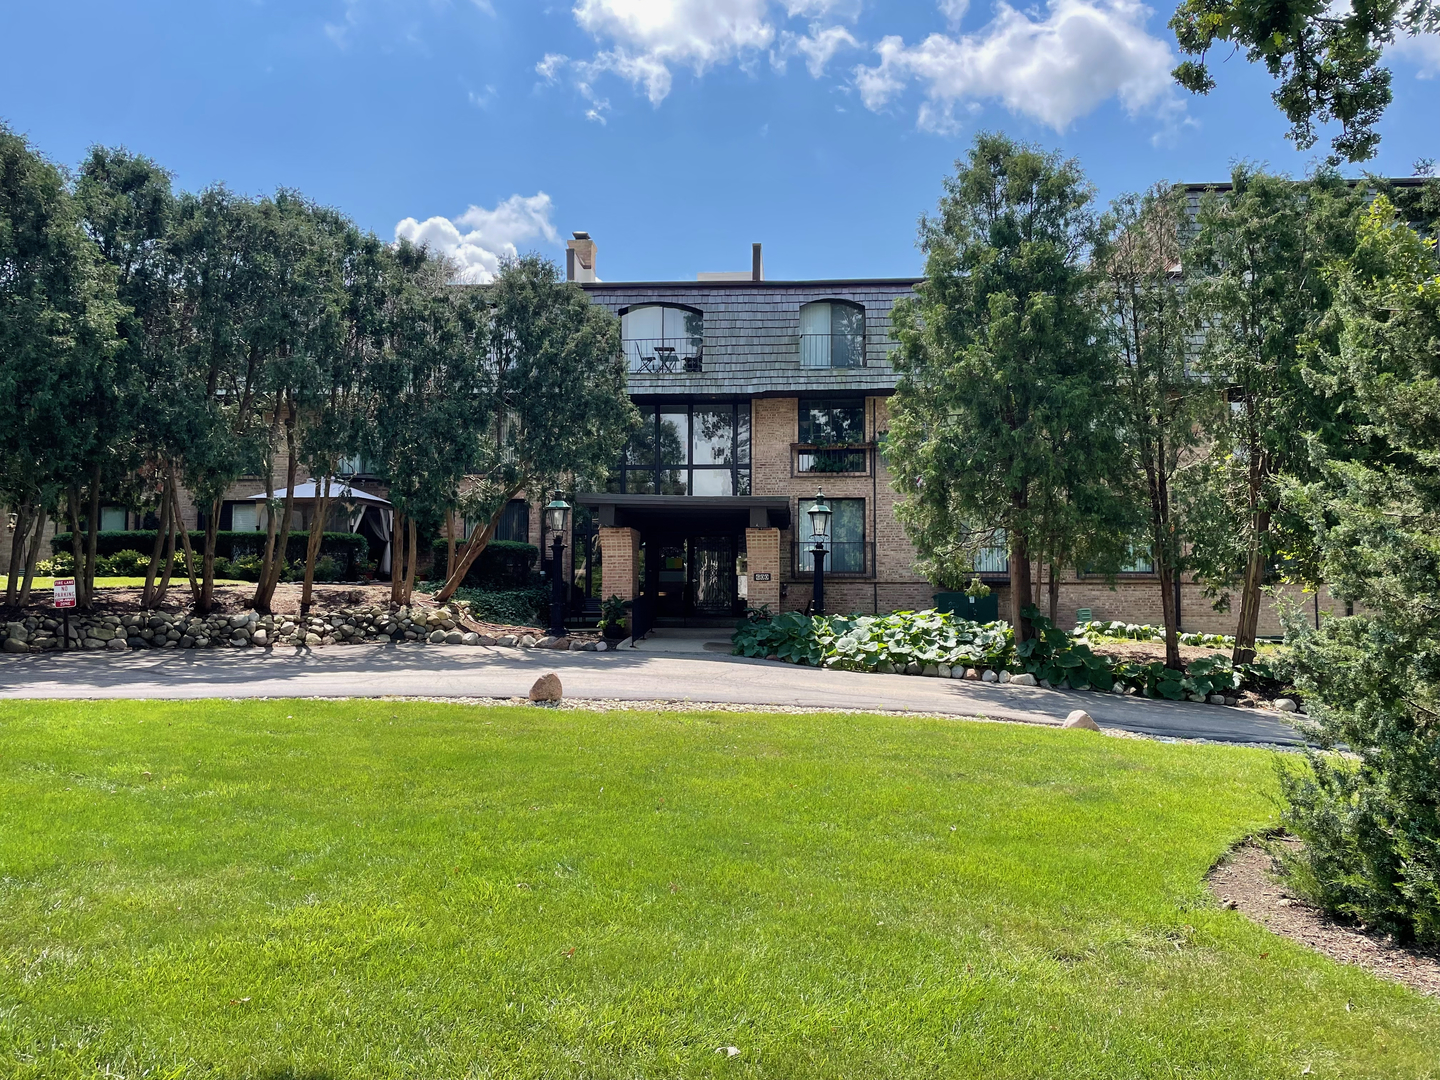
(832, 459)
(832, 350)
(843, 559)
(664, 356)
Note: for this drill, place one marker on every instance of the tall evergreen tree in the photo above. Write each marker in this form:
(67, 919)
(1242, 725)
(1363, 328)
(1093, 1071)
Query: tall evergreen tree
(552, 392)
(1002, 421)
(1371, 819)
(58, 314)
(1255, 275)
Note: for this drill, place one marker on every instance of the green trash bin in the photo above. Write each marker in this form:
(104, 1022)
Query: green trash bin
(982, 609)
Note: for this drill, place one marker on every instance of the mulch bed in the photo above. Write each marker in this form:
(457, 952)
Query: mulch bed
(1246, 881)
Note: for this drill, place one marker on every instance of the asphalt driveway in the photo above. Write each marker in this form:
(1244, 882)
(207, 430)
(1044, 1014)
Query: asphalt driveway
(418, 671)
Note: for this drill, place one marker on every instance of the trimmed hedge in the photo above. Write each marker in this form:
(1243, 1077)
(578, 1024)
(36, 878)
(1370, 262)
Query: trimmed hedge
(503, 565)
(228, 545)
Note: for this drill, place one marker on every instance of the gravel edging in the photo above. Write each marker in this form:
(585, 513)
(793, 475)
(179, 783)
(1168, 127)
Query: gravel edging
(1245, 881)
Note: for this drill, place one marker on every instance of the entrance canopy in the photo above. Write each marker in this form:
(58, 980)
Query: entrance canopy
(695, 514)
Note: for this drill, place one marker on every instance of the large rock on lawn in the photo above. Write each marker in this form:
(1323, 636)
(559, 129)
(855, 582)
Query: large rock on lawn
(1081, 719)
(546, 688)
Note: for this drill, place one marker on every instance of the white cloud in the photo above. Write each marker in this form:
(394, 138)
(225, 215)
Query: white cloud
(1054, 70)
(817, 47)
(1423, 50)
(479, 239)
(954, 11)
(814, 9)
(652, 36)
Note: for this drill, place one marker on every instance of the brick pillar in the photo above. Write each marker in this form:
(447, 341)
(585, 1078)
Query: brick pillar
(762, 557)
(619, 563)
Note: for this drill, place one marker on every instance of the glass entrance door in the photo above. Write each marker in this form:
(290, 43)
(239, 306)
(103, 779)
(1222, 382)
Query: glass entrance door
(712, 575)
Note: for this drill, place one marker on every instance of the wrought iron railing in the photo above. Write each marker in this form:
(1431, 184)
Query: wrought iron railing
(832, 459)
(832, 350)
(842, 559)
(664, 356)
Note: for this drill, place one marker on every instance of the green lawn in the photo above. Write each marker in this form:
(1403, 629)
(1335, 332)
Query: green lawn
(180, 581)
(290, 890)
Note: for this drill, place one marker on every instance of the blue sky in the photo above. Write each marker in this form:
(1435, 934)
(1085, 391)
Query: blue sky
(676, 131)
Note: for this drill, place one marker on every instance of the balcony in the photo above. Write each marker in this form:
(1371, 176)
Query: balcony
(849, 458)
(664, 356)
(833, 350)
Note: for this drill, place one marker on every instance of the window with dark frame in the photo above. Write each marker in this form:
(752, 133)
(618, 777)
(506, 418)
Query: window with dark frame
(514, 522)
(845, 547)
(829, 431)
(687, 449)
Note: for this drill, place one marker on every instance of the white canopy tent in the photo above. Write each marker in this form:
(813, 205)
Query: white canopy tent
(356, 503)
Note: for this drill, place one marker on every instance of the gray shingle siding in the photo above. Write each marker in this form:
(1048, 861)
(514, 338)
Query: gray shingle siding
(752, 335)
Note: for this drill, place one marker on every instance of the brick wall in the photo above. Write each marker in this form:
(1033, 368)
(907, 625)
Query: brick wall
(762, 556)
(619, 563)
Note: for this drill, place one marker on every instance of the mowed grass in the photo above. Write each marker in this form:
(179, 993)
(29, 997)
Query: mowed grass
(375, 889)
(47, 584)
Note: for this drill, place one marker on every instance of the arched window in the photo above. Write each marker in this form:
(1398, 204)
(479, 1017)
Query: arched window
(663, 338)
(832, 335)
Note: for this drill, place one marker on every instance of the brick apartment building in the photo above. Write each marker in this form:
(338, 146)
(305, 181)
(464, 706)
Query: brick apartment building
(754, 394)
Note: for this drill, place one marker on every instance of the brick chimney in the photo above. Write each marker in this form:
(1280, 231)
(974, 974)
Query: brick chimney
(580, 258)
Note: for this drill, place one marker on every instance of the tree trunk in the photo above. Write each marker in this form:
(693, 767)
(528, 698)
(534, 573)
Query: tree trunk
(77, 546)
(1166, 574)
(412, 543)
(1020, 587)
(474, 548)
(270, 571)
(162, 531)
(1054, 591)
(1250, 591)
(17, 552)
(164, 587)
(449, 545)
(93, 540)
(312, 548)
(207, 569)
(33, 558)
(397, 557)
(179, 523)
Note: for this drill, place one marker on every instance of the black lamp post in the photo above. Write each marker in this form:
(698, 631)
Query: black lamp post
(557, 515)
(819, 530)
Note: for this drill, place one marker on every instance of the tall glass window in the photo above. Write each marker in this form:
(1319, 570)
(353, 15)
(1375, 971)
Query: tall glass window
(660, 338)
(845, 550)
(832, 335)
(701, 449)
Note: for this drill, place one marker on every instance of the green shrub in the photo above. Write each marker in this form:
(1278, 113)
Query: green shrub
(61, 564)
(127, 563)
(874, 642)
(1120, 631)
(344, 546)
(509, 607)
(613, 613)
(503, 565)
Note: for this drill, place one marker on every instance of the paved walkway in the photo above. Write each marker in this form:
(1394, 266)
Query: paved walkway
(628, 675)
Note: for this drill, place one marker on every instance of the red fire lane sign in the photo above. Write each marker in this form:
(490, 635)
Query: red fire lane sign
(64, 592)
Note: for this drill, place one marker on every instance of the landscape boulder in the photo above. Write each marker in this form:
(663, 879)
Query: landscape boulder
(1081, 719)
(546, 688)
(1023, 680)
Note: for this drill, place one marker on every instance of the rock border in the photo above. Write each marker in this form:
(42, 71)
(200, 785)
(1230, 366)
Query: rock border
(450, 624)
